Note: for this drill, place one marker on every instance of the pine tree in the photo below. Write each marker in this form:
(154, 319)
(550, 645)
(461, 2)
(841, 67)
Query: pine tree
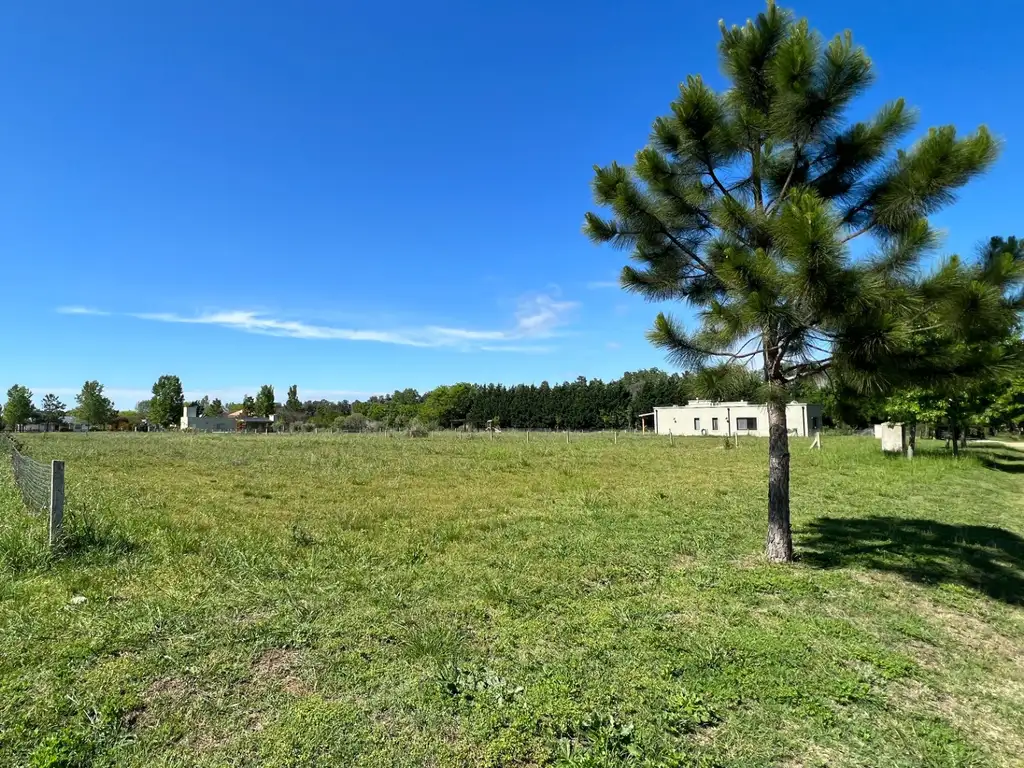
(744, 205)
(53, 410)
(215, 408)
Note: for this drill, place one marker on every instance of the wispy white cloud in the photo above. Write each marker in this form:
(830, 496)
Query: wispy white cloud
(613, 345)
(537, 316)
(598, 285)
(80, 311)
(535, 349)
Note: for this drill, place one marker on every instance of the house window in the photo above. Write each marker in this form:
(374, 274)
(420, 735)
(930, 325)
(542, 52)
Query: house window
(748, 423)
(714, 424)
(696, 425)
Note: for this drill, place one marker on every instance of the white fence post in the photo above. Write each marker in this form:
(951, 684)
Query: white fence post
(56, 502)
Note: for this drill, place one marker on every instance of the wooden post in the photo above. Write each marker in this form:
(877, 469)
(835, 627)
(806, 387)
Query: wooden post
(615, 440)
(670, 438)
(567, 437)
(56, 502)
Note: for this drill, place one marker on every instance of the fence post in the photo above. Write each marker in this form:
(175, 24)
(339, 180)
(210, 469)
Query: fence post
(56, 502)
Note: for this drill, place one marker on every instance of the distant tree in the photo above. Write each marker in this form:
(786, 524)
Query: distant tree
(355, 422)
(293, 403)
(448, 406)
(142, 409)
(744, 203)
(93, 407)
(913, 406)
(168, 401)
(53, 410)
(248, 406)
(265, 405)
(1007, 409)
(131, 418)
(18, 409)
(202, 406)
(215, 408)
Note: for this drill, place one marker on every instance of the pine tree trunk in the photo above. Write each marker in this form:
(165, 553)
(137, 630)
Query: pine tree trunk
(780, 539)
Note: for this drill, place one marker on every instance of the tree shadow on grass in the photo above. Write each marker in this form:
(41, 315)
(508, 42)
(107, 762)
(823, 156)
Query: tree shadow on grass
(987, 559)
(1001, 459)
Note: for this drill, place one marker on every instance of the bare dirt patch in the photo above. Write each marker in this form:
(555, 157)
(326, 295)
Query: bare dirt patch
(973, 633)
(282, 667)
(167, 688)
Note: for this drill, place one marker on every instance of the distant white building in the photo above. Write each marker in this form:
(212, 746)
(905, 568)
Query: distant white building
(706, 417)
(191, 420)
(72, 424)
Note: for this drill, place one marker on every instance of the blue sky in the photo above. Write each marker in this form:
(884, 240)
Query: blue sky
(358, 197)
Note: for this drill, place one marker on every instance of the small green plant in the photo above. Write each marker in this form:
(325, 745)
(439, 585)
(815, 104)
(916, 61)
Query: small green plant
(475, 683)
(595, 739)
(301, 537)
(687, 713)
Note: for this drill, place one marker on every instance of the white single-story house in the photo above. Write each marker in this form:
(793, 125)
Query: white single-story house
(72, 424)
(191, 420)
(706, 417)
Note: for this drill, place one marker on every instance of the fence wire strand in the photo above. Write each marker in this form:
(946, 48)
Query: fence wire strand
(31, 477)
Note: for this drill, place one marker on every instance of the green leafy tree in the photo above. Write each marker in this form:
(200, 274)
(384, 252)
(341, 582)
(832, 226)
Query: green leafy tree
(168, 401)
(215, 408)
(744, 205)
(248, 406)
(1006, 411)
(264, 404)
(913, 406)
(293, 403)
(53, 410)
(18, 409)
(93, 407)
(142, 409)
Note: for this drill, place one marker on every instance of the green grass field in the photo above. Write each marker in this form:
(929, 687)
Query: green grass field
(356, 600)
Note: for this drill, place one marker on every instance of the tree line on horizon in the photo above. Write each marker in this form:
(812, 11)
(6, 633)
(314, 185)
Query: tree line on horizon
(993, 402)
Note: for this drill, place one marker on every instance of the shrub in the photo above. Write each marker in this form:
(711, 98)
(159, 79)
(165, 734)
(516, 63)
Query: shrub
(417, 428)
(355, 422)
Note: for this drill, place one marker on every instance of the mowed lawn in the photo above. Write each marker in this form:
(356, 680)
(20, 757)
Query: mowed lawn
(318, 600)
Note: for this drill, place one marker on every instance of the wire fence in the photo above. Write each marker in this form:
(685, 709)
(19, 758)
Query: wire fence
(41, 485)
